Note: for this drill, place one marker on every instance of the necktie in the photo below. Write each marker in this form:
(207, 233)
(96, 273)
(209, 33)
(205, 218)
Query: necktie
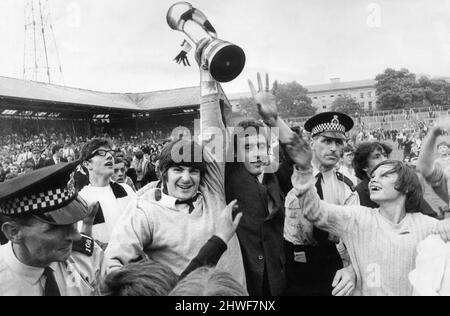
(51, 287)
(189, 202)
(319, 235)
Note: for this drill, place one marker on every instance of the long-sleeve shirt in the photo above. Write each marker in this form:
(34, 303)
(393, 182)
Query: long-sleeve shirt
(166, 231)
(382, 253)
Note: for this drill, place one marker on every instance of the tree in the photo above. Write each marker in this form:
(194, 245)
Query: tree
(292, 100)
(346, 105)
(248, 108)
(435, 91)
(398, 90)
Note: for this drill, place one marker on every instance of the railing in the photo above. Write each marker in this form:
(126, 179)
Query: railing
(376, 117)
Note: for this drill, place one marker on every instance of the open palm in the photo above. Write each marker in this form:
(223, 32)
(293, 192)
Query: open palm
(265, 101)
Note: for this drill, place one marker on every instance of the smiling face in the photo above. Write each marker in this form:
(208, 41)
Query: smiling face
(327, 151)
(99, 165)
(182, 182)
(382, 185)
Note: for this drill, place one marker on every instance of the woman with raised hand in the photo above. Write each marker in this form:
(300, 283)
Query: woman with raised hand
(381, 242)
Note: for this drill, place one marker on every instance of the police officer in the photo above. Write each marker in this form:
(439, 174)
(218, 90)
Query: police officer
(46, 255)
(314, 258)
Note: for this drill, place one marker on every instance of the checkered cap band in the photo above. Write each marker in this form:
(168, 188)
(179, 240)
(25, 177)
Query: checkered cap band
(40, 202)
(328, 127)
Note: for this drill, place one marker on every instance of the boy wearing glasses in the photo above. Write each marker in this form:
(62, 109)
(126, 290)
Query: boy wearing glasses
(98, 158)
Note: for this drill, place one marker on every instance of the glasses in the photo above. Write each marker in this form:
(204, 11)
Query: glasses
(102, 153)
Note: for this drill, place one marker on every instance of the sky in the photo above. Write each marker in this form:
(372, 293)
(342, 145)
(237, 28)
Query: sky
(127, 46)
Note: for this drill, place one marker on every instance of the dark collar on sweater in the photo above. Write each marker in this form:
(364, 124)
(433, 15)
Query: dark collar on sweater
(118, 190)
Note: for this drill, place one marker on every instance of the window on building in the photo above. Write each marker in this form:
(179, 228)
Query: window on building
(370, 94)
(370, 105)
(361, 104)
(324, 107)
(361, 95)
(315, 98)
(331, 96)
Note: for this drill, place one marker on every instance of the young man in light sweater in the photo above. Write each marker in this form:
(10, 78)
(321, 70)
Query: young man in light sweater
(171, 223)
(98, 159)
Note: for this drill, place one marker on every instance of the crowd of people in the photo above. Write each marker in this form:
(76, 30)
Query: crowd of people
(312, 212)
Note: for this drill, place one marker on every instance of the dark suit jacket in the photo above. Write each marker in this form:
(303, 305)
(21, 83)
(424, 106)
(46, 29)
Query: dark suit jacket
(41, 164)
(260, 233)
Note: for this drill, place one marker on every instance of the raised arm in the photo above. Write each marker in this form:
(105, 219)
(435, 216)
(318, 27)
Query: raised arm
(129, 238)
(212, 129)
(267, 108)
(329, 217)
(426, 159)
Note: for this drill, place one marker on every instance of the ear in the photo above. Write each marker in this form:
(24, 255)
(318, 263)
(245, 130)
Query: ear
(12, 232)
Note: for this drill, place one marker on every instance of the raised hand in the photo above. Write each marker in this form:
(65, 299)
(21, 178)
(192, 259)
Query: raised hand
(226, 226)
(265, 101)
(299, 151)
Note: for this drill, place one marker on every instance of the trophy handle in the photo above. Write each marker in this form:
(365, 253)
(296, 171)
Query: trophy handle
(181, 13)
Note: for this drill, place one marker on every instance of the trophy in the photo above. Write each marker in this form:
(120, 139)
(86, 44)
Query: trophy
(225, 60)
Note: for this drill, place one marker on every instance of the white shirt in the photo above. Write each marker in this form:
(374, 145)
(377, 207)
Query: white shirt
(112, 208)
(78, 276)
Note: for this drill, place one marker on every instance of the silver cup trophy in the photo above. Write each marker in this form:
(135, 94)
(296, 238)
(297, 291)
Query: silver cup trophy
(225, 60)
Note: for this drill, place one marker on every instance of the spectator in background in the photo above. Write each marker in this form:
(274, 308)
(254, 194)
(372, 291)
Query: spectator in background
(57, 157)
(13, 172)
(37, 160)
(27, 167)
(347, 168)
(138, 164)
(150, 174)
(407, 147)
(120, 171)
(442, 149)
(367, 157)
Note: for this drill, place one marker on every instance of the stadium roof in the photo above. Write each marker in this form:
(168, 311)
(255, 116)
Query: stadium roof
(158, 100)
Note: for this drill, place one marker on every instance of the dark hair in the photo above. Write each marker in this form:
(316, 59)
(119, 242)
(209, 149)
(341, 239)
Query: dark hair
(208, 282)
(408, 183)
(362, 154)
(92, 146)
(56, 148)
(258, 127)
(145, 278)
(193, 158)
(28, 164)
(444, 143)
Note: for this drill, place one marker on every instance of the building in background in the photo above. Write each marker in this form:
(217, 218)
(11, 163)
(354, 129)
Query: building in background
(363, 91)
(323, 95)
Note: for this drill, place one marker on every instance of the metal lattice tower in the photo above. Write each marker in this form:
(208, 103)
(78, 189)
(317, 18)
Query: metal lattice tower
(41, 59)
